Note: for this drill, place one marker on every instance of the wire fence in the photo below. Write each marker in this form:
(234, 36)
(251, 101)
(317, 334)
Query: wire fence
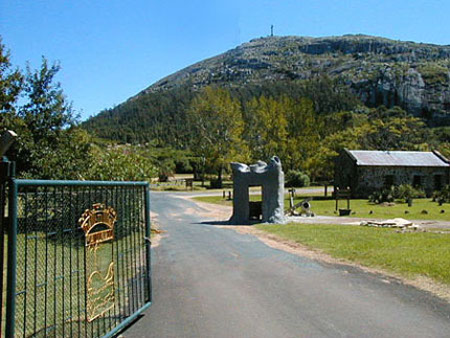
(78, 257)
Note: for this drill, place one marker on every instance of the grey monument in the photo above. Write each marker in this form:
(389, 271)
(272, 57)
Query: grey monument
(271, 179)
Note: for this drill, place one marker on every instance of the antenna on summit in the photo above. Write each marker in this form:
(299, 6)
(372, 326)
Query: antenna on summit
(271, 30)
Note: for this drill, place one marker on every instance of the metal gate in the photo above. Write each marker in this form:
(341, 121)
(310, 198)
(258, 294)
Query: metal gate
(78, 257)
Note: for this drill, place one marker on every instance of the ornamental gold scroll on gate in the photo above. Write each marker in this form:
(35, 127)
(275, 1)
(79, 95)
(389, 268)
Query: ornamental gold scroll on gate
(98, 226)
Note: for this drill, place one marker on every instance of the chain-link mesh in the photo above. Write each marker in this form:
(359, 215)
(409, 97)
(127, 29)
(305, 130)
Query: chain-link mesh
(66, 285)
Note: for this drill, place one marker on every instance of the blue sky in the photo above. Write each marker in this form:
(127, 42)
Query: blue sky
(110, 50)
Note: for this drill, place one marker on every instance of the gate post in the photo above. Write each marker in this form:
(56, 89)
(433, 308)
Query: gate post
(148, 242)
(12, 260)
(7, 173)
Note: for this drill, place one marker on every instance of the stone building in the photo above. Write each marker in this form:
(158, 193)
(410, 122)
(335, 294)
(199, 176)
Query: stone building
(366, 171)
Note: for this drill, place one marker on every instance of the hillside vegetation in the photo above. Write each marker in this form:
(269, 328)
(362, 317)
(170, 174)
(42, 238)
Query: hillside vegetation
(303, 99)
(377, 71)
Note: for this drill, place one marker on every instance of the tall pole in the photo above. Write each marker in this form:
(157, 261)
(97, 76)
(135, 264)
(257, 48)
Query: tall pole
(271, 30)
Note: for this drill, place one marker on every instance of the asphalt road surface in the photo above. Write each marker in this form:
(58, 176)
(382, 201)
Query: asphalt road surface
(214, 282)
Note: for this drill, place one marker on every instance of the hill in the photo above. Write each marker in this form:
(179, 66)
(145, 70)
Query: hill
(377, 71)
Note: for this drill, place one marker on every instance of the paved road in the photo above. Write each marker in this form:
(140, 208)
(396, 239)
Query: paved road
(213, 282)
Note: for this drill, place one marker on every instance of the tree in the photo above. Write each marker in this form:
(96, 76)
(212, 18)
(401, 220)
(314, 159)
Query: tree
(384, 129)
(217, 126)
(268, 136)
(393, 129)
(120, 163)
(47, 111)
(303, 132)
(10, 82)
(48, 137)
(50, 145)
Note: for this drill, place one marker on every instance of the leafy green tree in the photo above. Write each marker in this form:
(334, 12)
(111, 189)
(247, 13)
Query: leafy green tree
(70, 158)
(10, 82)
(269, 133)
(303, 132)
(321, 164)
(119, 164)
(217, 126)
(50, 145)
(393, 129)
(47, 111)
(253, 125)
(384, 129)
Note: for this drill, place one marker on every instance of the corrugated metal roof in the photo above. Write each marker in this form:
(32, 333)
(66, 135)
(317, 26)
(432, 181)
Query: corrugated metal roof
(397, 158)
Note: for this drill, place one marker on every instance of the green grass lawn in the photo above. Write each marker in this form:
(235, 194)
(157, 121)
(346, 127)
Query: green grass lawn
(407, 254)
(363, 208)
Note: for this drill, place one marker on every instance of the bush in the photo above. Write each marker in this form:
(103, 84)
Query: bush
(296, 178)
(385, 195)
(407, 192)
(119, 164)
(166, 170)
(404, 192)
(443, 196)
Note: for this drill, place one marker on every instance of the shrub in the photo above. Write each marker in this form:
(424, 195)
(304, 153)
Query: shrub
(407, 192)
(385, 195)
(166, 170)
(119, 164)
(296, 178)
(443, 196)
(434, 73)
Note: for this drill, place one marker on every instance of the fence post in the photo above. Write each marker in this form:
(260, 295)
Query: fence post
(5, 173)
(8, 171)
(12, 261)
(148, 243)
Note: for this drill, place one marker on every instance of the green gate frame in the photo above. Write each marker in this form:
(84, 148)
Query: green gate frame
(12, 230)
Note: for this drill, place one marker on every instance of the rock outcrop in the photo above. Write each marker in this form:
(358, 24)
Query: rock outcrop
(415, 76)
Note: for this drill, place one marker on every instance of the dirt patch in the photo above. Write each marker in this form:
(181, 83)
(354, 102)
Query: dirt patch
(156, 239)
(208, 210)
(157, 233)
(221, 213)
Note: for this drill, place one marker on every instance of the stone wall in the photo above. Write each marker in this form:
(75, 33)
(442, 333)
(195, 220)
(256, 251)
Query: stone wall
(345, 172)
(376, 178)
(364, 180)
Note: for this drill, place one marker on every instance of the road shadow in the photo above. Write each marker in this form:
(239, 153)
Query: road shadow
(228, 223)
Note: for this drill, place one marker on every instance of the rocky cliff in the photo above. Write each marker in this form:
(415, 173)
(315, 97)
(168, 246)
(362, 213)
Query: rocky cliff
(415, 76)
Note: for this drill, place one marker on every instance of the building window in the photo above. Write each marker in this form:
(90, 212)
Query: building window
(388, 181)
(417, 181)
